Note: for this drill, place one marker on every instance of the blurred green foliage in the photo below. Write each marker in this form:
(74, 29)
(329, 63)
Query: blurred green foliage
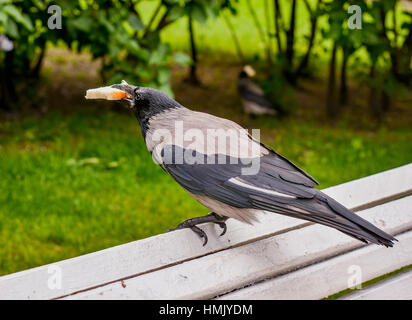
(129, 43)
(110, 30)
(385, 33)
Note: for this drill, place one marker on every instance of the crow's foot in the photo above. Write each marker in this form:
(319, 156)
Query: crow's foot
(210, 217)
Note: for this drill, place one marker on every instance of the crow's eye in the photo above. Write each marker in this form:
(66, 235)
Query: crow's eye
(137, 95)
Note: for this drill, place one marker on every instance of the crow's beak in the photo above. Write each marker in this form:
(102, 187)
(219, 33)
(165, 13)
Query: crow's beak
(126, 88)
(122, 91)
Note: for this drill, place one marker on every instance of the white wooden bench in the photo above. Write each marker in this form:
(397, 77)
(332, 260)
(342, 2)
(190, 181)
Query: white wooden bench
(279, 258)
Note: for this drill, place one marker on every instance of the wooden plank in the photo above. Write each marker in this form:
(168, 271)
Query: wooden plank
(228, 270)
(134, 258)
(164, 250)
(375, 189)
(398, 287)
(331, 276)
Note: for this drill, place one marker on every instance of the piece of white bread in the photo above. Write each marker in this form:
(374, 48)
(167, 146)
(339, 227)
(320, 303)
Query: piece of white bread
(107, 93)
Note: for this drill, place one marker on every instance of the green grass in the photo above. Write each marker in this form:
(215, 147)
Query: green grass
(54, 206)
(80, 182)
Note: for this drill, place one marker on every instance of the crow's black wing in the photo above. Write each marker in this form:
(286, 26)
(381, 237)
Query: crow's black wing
(278, 186)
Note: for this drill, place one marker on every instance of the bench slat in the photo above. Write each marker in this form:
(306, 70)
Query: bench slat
(146, 255)
(224, 271)
(374, 189)
(331, 276)
(398, 287)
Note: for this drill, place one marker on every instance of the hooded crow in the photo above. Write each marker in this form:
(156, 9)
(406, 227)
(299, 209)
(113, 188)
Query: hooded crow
(252, 96)
(235, 181)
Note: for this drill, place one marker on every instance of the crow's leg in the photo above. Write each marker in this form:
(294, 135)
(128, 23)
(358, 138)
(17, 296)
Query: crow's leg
(210, 217)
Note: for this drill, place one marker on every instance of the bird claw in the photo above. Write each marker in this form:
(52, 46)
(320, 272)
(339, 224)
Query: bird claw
(224, 227)
(200, 233)
(211, 217)
(220, 221)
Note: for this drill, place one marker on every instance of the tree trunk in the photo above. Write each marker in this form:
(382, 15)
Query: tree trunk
(386, 102)
(374, 102)
(305, 60)
(256, 21)
(277, 26)
(396, 51)
(234, 37)
(331, 105)
(36, 69)
(268, 33)
(265, 40)
(290, 36)
(406, 59)
(152, 19)
(393, 50)
(379, 106)
(8, 96)
(290, 52)
(343, 93)
(164, 21)
(193, 67)
(407, 48)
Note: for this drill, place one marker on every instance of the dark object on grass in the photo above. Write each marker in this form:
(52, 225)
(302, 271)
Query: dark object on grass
(239, 181)
(252, 96)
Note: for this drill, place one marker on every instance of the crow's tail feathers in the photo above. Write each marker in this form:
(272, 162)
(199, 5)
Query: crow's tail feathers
(327, 211)
(360, 228)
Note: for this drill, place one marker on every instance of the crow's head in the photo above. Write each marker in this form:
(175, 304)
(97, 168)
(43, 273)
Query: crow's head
(145, 102)
(247, 72)
(145, 99)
